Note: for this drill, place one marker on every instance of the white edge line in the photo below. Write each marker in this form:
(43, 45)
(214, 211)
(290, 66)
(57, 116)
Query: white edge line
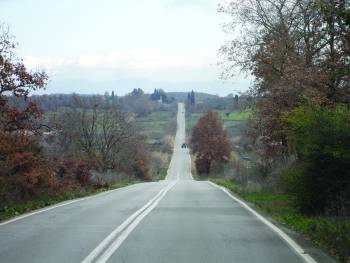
(105, 242)
(64, 203)
(277, 230)
(117, 242)
(169, 168)
(190, 171)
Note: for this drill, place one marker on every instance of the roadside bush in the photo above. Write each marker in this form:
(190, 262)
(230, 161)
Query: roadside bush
(167, 144)
(24, 172)
(141, 170)
(74, 173)
(159, 163)
(27, 175)
(321, 179)
(133, 160)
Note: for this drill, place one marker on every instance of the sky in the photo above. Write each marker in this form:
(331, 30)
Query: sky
(93, 46)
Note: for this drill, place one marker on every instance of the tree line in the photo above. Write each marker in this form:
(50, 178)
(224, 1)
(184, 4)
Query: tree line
(299, 53)
(45, 155)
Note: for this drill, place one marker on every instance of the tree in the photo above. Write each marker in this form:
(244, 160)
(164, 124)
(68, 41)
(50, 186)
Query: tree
(155, 95)
(321, 138)
(113, 137)
(113, 98)
(16, 80)
(298, 52)
(24, 172)
(191, 98)
(159, 94)
(137, 92)
(133, 159)
(209, 143)
(106, 136)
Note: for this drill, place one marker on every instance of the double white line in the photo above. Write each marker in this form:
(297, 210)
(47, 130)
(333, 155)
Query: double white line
(113, 241)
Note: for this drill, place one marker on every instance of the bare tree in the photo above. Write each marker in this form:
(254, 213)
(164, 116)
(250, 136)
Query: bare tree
(114, 136)
(105, 135)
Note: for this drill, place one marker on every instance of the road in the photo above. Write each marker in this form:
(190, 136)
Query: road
(175, 220)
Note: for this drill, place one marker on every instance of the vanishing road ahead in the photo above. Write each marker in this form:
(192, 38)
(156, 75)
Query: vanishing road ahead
(175, 220)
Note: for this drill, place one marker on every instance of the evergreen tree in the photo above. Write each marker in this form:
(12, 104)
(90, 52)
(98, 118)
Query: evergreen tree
(193, 101)
(155, 95)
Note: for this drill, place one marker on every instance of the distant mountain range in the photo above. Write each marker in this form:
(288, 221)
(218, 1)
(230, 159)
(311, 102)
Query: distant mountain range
(182, 96)
(124, 86)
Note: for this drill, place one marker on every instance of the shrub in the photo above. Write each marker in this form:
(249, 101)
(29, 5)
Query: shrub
(73, 173)
(321, 139)
(24, 172)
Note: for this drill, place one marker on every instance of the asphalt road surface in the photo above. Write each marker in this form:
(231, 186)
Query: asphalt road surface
(175, 220)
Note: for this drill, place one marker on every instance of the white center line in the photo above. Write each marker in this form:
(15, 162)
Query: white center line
(113, 241)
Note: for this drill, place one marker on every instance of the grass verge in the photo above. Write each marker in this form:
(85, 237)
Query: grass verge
(8, 212)
(331, 234)
(162, 173)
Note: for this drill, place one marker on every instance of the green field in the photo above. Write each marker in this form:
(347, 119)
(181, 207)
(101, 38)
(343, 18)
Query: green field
(191, 121)
(157, 125)
(233, 121)
(236, 115)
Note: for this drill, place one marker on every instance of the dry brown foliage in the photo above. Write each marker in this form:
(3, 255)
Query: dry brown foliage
(209, 142)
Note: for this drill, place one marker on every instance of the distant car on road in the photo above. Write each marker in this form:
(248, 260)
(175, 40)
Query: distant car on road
(184, 145)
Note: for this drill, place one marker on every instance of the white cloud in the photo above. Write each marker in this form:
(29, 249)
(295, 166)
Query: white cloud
(51, 63)
(136, 59)
(147, 59)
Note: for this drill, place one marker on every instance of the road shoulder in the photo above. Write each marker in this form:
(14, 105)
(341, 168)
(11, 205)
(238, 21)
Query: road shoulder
(306, 246)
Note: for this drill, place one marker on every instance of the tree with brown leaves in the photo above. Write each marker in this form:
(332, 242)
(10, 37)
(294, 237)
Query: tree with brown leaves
(209, 142)
(24, 172)
(16, 80)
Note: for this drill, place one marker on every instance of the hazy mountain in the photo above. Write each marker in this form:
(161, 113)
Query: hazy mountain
(182, 96)
(124, 86)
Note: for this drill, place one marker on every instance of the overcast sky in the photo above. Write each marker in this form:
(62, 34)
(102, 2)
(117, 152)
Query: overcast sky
(89, 46)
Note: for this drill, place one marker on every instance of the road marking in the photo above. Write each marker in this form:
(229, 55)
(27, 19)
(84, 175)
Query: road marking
(117, 243)
(63, 204)
(190, 166)
(306, 257)
(170, 166)
(113, 241)
(177, 149)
